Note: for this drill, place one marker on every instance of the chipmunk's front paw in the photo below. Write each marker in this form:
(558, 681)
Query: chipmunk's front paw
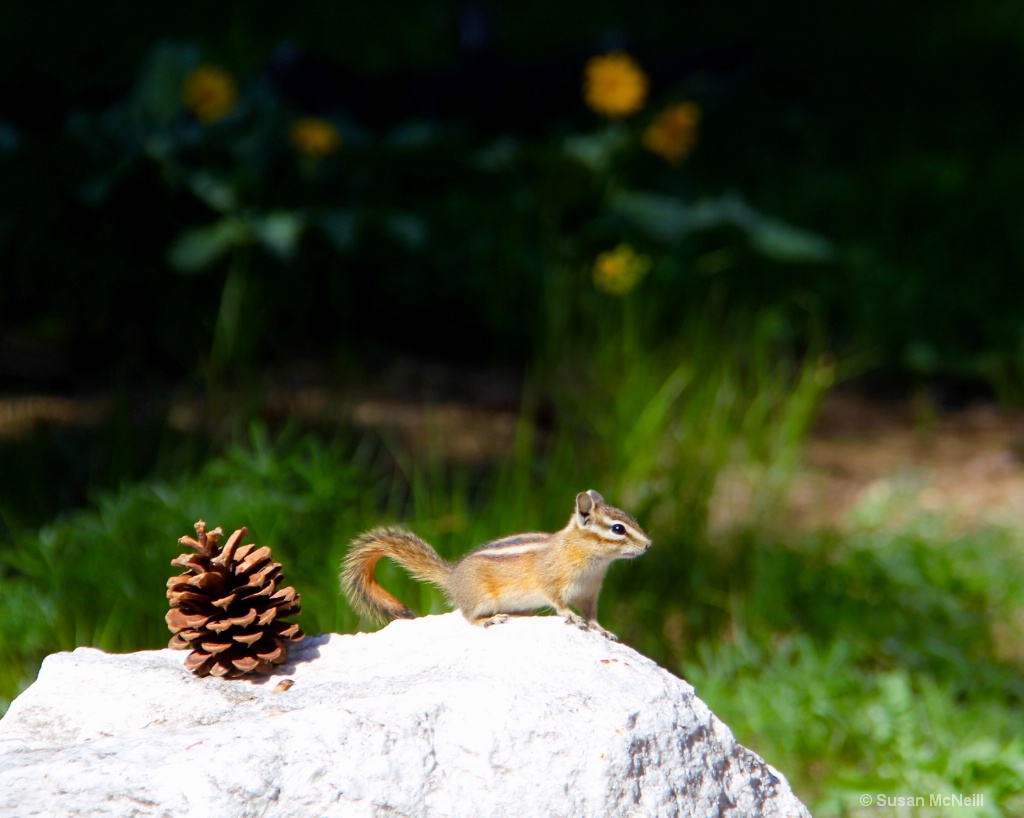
(594, 626)
(578, 621)
(497, 619)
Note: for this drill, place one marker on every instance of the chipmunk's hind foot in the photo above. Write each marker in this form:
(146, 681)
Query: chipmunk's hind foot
(578, 621)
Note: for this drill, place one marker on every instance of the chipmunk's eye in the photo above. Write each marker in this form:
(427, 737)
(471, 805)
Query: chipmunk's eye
(618, 528)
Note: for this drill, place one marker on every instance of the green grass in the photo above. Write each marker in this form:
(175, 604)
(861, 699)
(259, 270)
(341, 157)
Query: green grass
(879, 661)
(874, 663)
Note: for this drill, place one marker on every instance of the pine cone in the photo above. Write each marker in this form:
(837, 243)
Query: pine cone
(226, 607)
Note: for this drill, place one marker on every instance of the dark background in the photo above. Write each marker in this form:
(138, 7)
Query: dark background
(892, 130)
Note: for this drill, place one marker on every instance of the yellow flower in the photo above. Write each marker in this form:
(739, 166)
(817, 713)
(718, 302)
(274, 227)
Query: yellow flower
(673, 133)
(614, 85)
(315, 137)
(618, 271)
(210, 93)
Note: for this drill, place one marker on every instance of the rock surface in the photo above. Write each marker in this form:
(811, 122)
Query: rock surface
(428, 717)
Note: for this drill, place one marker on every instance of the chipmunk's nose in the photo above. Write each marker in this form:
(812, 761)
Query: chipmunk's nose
(648, 546)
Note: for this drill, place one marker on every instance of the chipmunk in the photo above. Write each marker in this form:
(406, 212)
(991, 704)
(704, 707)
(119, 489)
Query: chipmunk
(512, 575)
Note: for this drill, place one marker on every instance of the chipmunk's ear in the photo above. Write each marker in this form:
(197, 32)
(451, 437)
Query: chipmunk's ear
(586, 502)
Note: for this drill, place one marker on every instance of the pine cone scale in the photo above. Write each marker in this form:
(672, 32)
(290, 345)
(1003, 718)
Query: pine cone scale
(245, 620)
(265, 618)
(273, 653)
(196, 659)
(224, 603)
(257, 557)
(246, 664)
(283, 596)
(215, 647)
(209, 580)
(189, 561)
(244, 551)
(182, 598)
(288, 630)
(227, 554)
(178, 620)
(264, 575)
(250, 592)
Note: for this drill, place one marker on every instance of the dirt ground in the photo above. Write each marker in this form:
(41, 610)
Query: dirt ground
(966, 463)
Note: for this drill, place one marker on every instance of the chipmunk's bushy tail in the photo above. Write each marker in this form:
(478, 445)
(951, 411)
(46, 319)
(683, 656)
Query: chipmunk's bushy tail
(360, 585)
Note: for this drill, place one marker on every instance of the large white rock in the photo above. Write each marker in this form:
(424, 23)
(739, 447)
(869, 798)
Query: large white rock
(428, 717)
